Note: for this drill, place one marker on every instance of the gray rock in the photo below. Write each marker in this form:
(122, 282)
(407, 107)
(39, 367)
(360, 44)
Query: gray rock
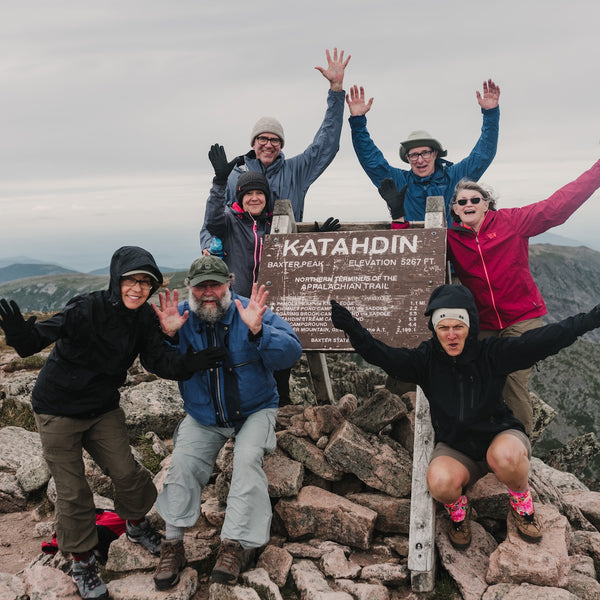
(21, 454)
(309, 455)
(515, 562)
(384, 466)
(284, 475)
(258, 579)
(393, 514)
(277, 563)
(525, 591)
(380, 410)
(320, 513)
(140, 586)
(312, 585)
(363, 591)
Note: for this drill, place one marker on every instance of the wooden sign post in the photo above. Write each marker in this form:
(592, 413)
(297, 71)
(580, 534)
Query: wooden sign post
(384, 277)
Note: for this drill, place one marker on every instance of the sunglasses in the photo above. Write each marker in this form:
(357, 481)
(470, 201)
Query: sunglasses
(463, 201)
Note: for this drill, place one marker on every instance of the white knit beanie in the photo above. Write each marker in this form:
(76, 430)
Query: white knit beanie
(267, 125)
(460, 314)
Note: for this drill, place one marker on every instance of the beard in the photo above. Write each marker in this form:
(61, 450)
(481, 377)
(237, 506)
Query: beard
(210, 313)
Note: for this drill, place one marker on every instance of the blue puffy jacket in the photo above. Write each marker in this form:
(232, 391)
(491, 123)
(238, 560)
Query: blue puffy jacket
(224, 397)
(446, 175)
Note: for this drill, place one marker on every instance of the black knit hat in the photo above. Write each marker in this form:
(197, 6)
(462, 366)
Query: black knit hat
(252, 180)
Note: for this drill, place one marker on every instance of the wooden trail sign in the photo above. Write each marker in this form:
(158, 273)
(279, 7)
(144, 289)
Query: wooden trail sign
(384, 277)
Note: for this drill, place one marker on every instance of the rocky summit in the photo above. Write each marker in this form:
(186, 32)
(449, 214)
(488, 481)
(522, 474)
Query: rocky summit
(340, 486)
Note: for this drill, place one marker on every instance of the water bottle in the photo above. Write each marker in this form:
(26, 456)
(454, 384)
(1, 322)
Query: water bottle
(216, 247)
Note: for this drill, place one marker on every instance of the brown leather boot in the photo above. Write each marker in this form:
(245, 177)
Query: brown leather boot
(172, 561)
(232, 559)
(459, 532)
(528, 526)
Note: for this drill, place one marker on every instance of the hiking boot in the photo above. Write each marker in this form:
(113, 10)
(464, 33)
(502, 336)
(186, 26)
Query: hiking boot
(87, 580)
(146, 535)
(171, 563)
(231, 560)
(528, 526)
(459, 532)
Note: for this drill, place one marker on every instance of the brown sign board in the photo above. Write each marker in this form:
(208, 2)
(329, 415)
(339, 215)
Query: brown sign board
(384, 278)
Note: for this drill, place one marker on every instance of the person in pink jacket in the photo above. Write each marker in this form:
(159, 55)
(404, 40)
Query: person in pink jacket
(489, 249)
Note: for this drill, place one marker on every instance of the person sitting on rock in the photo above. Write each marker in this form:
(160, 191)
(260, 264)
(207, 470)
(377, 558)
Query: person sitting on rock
(462, 378)
(237, 401)
(76, 401)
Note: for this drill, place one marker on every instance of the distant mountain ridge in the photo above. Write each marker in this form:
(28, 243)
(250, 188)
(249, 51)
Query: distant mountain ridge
(20, 271)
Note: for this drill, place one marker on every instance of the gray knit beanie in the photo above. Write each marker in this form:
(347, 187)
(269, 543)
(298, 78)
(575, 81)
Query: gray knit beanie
(267, 125)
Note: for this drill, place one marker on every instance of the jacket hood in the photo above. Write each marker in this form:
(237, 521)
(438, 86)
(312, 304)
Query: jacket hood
(126, 259)
(454, 296)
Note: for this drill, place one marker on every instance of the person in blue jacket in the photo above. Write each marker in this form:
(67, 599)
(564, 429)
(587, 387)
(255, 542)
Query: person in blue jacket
(289, 178)
(430, 174)
(237, 401)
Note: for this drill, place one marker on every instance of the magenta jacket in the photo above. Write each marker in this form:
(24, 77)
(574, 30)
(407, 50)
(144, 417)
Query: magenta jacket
(494, 263)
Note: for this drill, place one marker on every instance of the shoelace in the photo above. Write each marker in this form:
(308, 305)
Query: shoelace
(168, 560)
(90, 576)
(228, 559)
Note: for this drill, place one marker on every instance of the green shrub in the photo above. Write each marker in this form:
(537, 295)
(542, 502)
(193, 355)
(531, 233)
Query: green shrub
(17, 415)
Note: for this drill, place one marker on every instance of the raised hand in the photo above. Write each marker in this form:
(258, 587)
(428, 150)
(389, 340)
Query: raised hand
(356, 101)
(330, 225)
(491, 95)
(12, 321)
(393, 197)
(335, 69)
(168, 313)
(218, 160)
(253, 314)
(342, 318)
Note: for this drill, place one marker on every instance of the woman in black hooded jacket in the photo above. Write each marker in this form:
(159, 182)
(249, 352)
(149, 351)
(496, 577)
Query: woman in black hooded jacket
(462, 378)
(76, 400)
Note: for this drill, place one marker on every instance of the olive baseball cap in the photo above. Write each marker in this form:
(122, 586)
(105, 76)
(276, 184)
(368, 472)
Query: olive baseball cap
(208, 268)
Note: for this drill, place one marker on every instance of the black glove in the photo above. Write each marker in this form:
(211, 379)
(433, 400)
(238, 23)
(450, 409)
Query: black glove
(12, 321)
(394, 198)
(342, 318)
(591, 320)
(330, 225)
(211, 358)
(218, 159)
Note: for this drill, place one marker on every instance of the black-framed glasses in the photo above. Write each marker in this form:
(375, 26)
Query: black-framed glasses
(263, 140)
(414, 156)
(145, 284)
(463, 201)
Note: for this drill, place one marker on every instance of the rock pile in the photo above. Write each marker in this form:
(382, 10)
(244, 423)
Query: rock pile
(339, 483)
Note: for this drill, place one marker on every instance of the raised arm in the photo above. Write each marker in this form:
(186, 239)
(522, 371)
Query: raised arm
(334, 72)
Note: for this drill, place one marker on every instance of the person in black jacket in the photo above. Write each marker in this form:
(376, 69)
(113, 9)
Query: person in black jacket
(76, 400)
(462, 378)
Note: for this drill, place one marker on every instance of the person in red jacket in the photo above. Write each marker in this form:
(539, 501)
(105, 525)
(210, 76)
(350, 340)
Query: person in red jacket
(489, 250)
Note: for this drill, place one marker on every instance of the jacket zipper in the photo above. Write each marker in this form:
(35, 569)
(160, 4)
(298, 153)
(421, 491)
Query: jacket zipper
(216, 381)
(487, 278)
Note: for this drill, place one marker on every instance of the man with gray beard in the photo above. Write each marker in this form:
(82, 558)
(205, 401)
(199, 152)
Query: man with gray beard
(235, 400)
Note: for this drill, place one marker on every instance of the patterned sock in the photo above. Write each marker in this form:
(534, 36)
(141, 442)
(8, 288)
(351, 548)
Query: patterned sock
(522, 502)
(457, 510)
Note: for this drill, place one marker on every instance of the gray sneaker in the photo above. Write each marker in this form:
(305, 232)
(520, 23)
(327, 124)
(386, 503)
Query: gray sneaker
(172, 561)
(87, 580)
(145, 535)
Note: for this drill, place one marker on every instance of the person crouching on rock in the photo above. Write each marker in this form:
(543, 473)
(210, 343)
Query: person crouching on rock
(462, 378)
(76, 401)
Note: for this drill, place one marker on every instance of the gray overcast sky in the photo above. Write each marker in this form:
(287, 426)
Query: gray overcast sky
(109, 108)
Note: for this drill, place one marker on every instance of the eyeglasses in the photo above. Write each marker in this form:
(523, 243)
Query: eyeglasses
(414, 156)
(463, 201)
(145, 284)
(263, 140)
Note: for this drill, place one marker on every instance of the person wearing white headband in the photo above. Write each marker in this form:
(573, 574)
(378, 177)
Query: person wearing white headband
(463, 378)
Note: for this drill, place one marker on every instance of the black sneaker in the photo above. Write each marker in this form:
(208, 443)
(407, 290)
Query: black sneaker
(87, 580)
(146, 535)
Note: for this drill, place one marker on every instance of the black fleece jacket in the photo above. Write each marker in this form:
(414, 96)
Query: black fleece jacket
(465, 392)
